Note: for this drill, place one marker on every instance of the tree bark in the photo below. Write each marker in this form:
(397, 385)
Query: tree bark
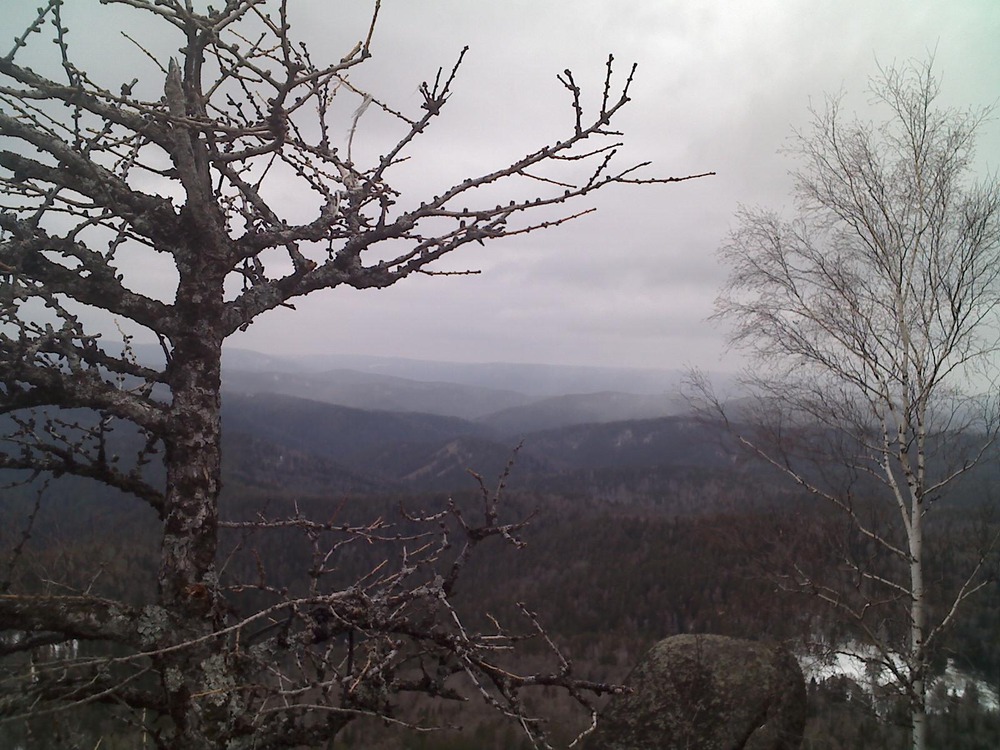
(187, 580)
(919, 656)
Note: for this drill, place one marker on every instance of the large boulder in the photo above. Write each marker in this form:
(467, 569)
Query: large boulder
(707, 692)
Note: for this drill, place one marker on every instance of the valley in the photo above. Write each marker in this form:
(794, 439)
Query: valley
(645, 521)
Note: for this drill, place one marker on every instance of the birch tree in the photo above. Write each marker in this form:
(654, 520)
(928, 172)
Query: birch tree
(210, 164)
(871, 320)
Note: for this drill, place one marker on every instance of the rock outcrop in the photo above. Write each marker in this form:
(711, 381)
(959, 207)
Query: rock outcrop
(707, 692)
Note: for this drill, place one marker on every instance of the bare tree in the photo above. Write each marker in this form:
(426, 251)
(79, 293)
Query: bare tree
(96, 178)
(871, 320)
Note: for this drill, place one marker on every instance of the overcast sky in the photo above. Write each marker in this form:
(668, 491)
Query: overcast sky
(720, 85)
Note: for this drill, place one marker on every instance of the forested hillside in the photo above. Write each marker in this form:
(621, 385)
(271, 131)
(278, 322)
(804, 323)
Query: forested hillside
(639, 529)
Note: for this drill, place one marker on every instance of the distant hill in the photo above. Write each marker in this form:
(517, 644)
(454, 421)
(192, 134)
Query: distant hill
(667, 441)
(582, 408)
(339, 433)
(290, 442)
(446, 466)
(255, 462)
(513, 399)
(367, 390)
(367, 450)
(535, 380)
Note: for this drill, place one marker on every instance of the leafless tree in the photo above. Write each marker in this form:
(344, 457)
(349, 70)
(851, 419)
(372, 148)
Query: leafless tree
(871, 320)
(96, 178)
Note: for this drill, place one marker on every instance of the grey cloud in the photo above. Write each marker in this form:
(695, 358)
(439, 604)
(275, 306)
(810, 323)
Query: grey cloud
(719, 87)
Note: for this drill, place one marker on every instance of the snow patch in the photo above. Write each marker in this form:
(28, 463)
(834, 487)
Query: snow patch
(624, 438)
(873, 671)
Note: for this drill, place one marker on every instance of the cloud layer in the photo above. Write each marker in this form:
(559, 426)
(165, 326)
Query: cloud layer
(720, 86)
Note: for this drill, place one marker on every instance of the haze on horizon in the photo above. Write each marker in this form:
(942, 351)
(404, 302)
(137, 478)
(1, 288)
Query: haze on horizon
(719, 88)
